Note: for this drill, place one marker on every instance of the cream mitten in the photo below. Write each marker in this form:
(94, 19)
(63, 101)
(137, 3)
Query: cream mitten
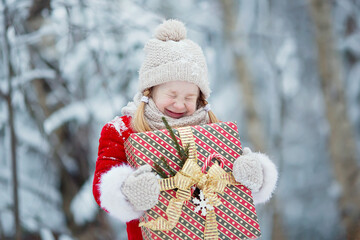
(142, 189)
(248, 171)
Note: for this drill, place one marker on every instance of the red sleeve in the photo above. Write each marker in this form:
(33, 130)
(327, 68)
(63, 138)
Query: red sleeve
(111, 153)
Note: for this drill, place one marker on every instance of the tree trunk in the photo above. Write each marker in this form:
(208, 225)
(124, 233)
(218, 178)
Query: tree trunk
(341, 140)
(254, 125)
(9, 74)
(64, 142)
(278, 232)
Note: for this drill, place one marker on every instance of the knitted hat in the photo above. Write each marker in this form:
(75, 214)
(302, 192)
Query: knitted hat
(172, 57)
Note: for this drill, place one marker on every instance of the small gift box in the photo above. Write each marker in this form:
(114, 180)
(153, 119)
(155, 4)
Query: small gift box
(223, 210)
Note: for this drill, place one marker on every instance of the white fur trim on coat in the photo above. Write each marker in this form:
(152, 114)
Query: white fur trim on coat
(111, 197)
(270, 178)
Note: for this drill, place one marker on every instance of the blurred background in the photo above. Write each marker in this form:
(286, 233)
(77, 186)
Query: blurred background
(287, 71)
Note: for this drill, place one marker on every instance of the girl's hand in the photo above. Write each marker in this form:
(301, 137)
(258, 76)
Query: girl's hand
(248, 171)
(142, 189)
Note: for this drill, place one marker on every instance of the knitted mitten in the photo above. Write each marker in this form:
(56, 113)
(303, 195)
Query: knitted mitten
(142, 189)
(248, 171)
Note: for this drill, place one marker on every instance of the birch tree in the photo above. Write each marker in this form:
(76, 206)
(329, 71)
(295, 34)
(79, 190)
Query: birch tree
(341, 139)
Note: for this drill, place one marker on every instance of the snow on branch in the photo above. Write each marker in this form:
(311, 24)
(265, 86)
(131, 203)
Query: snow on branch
(351, 43)
(80, 111)
(83, 206)
(47, 194)
(75, 111)
(33, 37)
(31, 137)
(25, 78)
(33, 74)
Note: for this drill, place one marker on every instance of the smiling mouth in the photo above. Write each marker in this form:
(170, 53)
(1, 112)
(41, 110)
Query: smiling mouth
(173, 114)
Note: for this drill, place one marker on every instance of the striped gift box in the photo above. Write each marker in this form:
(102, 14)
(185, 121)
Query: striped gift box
(236, 215)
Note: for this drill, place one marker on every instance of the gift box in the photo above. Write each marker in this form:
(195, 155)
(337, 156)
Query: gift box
(223, 210)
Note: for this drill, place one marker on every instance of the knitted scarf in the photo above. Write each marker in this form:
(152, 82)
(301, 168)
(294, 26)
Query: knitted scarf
(153, 115)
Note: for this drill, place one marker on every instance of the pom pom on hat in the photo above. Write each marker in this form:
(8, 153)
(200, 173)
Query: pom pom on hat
(171, 30)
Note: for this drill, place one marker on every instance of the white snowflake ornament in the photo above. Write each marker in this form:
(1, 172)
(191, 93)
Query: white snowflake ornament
(202, 204)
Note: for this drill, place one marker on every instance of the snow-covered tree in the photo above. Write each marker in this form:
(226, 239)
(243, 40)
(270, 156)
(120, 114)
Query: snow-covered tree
(68, 67)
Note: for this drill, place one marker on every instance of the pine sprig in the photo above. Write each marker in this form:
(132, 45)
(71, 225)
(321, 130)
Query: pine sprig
(166, 165)
(183, 152)
(160, 171)
(172, 135)
(159, 168)
(185, 156)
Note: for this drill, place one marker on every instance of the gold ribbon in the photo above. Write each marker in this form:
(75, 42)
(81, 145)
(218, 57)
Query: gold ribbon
(211, 183)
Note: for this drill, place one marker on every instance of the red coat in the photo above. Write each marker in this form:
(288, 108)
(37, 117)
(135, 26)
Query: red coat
(111, 155)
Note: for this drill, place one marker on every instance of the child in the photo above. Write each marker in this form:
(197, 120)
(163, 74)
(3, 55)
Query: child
(174, 84)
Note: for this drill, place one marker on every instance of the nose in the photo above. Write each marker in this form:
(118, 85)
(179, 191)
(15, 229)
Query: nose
(179, 104)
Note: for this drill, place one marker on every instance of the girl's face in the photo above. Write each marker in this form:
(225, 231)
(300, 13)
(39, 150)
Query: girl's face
(176, 99)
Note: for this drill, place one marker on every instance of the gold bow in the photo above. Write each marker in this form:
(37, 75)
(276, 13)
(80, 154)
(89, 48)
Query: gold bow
(211, 183)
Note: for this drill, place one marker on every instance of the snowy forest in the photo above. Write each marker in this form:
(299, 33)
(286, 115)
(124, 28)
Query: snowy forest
(288, 72)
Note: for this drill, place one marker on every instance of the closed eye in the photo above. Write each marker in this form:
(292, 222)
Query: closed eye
(190, 98)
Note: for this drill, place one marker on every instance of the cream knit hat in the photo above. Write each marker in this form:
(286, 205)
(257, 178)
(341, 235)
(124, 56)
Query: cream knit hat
(172, 57)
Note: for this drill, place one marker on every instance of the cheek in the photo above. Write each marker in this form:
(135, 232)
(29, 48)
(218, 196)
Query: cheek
(192, 107)
(162, 103)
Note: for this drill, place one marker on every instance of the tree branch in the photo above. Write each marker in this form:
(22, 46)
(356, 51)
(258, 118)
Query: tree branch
(11, 121)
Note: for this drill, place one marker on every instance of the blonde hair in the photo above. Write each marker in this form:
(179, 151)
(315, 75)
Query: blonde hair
(203, 103)
(139, 123)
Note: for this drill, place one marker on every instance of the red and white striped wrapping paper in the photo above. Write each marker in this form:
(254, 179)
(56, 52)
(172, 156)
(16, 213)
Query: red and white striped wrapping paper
(236, 217)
